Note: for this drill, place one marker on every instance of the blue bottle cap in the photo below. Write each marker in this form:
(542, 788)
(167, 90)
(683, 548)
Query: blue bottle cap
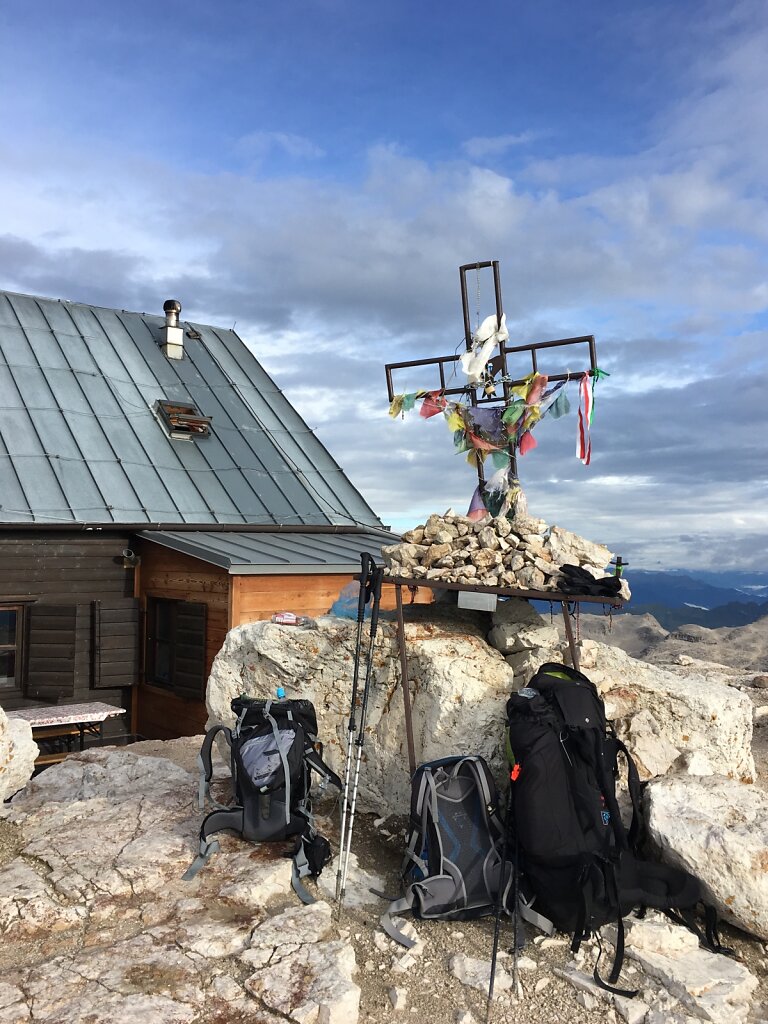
(280, 693)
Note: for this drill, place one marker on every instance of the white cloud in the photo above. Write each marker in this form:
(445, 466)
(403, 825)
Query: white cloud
(661, 254)
(261, 144)
(481, 146)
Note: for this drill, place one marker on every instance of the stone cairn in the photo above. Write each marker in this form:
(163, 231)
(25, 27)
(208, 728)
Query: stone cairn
(521, 552)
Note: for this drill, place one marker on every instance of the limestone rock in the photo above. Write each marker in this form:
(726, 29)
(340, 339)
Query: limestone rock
(95, 913)
(485, 559)
(314, 983)
(477, 974)
(568, 548)
(434, 553)
(650, 747)
(513, 637)
(488, 538)
(532, 551)
(717, 829)
(695, 713)
(415, 536)
(359, 884)
(516, 610)
(411, 554)
(531, 578)
(458, 689)
(398, 997)
(17, 755)
(714, 987)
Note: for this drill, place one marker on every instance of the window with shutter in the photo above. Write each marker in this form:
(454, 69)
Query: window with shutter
(51, 651)
(115, 658)
(175, 646)
(10, 649)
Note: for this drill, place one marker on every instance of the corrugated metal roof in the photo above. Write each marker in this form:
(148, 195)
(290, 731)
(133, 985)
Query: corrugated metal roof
(80, 443)
(273, 553)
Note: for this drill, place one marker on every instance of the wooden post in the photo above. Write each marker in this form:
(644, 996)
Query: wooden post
(404, 679)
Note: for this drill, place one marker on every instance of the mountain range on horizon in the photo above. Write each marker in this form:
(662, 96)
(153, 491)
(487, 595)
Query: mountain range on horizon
(675, 597)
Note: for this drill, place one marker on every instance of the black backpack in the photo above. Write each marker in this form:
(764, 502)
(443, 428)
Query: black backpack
(453, 860)
(577, 860)
(274, 749)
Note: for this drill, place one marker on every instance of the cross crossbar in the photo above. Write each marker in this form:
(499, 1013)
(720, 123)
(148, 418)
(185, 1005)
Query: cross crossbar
(483, 392)
(464, 389)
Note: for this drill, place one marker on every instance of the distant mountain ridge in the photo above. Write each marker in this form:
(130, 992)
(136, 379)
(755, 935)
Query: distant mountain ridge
(744, 648)
(675, 597)
(735, 613)
(675, 588)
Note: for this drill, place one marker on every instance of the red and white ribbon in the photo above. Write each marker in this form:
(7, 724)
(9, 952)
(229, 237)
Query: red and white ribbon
(583, 440)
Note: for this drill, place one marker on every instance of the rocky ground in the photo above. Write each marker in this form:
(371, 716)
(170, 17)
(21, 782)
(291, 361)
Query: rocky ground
(425, 985)
(742, 648)
(97, 926)
(110, 933)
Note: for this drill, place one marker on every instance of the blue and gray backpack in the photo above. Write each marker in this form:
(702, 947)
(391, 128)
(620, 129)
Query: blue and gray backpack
(274, 749)
(453, 860)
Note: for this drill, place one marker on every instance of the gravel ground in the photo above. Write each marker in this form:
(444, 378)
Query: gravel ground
(432, 993)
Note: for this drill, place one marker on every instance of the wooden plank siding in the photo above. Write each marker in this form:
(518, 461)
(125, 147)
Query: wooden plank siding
(63, 569)
(259, 597)
(164, 573)
(231, 601)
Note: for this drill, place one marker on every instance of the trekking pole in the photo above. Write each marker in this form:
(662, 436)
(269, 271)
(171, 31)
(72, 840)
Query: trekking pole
(515, 896)
(500, 899)
(367, 565)
(376, 581)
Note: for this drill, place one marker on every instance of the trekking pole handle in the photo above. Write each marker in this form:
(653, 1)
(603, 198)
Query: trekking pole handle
(376, 581)
(366, 568)
(377, 578)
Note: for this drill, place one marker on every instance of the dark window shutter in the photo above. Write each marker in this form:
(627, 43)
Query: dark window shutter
(189, 650)
(115, 660)
(51, 653)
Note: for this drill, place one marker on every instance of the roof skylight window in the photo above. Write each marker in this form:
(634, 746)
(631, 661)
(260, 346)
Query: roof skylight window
(182, 420)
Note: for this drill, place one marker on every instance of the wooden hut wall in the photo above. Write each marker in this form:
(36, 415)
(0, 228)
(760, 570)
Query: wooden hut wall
(172, 576)
(229, 601)
(259, 597)
(66, 586)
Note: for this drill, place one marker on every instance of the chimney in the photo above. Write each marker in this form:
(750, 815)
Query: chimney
(171, 334)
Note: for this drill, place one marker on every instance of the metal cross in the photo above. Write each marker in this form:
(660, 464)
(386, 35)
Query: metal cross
(484, 392)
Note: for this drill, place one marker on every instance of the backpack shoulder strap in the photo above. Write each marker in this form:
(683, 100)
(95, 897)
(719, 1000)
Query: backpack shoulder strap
(635, 833)
(216, 821)
(316, 762)
(401, 906)
(205, 764)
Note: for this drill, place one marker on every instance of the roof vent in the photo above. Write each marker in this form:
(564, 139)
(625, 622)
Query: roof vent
(171, 333)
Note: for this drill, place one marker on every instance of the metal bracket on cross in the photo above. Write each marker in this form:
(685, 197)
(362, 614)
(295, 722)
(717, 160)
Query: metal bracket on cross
(490, 340)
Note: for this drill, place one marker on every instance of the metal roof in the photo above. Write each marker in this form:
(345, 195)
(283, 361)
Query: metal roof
(271, 553)
(80, 443)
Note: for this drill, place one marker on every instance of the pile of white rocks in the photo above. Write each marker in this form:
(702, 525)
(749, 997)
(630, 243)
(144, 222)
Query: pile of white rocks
(521, 552)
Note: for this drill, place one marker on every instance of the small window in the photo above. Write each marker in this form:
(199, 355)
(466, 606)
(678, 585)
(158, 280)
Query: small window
(182, 420)
(10, 649)
(175, 646)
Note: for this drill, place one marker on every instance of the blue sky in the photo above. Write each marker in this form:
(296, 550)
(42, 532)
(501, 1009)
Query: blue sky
(315, 172)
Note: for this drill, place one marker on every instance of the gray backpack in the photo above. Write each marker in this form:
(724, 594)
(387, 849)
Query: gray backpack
(453, 861)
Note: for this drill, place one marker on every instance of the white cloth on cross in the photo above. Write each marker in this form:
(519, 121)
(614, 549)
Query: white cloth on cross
(484, 341)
